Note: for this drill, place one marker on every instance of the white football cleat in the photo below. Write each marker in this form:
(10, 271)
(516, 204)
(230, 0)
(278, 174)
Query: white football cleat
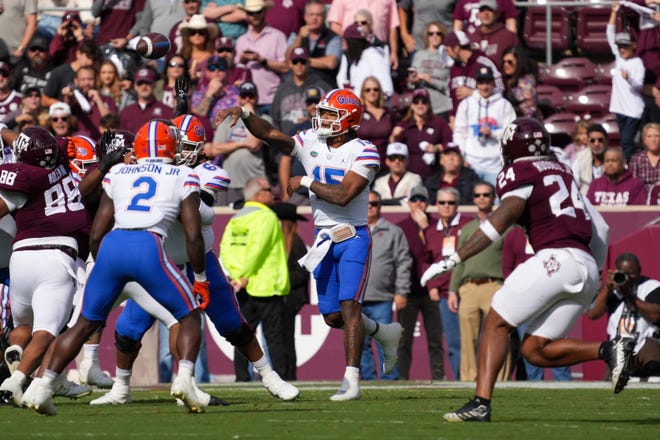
(183, 388)
(90, 373)
(41, 400)
(13, 356)
(118, 395)
(347, 391)
(389, 335)
(279, 388)
(11, 391)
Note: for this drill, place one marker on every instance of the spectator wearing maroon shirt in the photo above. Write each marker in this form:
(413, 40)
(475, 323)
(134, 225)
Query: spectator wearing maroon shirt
(70, 33)
(467, 61)
(466, 17)
(286, 15)
(147, 107)
(645, 164)
(117, 19)
(491, 36)
(377, 119)
(10, 100)
(238, 73)
(424, 133)
(617, 186)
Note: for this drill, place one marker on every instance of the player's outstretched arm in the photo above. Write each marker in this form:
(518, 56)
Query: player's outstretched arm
(103, 221)
(339, 194)
(259, 127)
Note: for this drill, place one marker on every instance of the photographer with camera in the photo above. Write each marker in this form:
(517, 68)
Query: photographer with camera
(70, 33)
(633, 303)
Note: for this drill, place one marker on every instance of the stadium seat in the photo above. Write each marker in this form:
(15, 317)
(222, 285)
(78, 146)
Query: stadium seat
(550, 99)
(608, 121)
(605, 72)
(590, 25)
(561, 127)
(570, 74)
(534, 28)
(593, 99)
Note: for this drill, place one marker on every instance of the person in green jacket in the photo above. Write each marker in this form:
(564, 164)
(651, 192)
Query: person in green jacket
(252, 251)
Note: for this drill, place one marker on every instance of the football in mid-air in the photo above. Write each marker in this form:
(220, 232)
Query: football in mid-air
(153, 45)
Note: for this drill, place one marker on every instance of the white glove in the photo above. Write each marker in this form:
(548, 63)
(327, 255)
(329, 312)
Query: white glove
(437, 269)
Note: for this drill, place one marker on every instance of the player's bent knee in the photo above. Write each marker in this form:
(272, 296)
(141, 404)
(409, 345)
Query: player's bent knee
(126, 345)
(334, 320)
(241, 336)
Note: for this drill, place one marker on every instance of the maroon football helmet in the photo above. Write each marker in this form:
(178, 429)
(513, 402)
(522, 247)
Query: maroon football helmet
(36, 146)
(524, 137)
(120, 139)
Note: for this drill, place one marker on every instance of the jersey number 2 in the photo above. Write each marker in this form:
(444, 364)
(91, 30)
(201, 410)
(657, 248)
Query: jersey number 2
(147, 186)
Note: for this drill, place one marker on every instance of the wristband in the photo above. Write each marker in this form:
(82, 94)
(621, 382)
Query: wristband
(200, 277)
(245, 113)
(490, 231)
(306, 181)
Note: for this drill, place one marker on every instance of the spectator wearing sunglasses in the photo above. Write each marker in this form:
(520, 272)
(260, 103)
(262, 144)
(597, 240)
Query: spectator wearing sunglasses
(61, 122)
(441, 239)
(263, 49)
(589, 162)
(238, 73)
(475, 283)
(198, 43)
(395, 186)
(33, 69)
(289, 107)
(29, 111)
(147, 107)
(213, 93)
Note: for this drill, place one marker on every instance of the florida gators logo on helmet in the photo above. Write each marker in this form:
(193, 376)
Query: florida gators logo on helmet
(345, 105)
(85, 154)
(193, 136)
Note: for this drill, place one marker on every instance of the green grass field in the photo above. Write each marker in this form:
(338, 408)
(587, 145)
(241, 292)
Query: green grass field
(406, 410)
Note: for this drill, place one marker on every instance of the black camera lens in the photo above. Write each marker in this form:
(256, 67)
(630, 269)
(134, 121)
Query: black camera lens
(620, 278)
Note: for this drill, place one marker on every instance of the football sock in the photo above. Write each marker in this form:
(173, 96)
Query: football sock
(603, 349)
(123, 376)
(186, 368)
(352, 374)
(482, 401)
(91, 351)
(18, 376)
(263, 366)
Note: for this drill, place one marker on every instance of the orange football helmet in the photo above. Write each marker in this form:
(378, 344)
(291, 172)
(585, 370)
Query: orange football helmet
(347, 107)
(156, 141)
(85, 154)
(193, 136)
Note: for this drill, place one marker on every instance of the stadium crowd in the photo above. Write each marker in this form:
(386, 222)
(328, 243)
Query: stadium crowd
(438, 87)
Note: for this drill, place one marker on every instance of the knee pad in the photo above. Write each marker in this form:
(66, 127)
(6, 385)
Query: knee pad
(126, 345)
(241, 336)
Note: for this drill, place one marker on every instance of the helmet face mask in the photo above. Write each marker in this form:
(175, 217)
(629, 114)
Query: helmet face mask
(193, 137)
(524, 138)
(345, 105)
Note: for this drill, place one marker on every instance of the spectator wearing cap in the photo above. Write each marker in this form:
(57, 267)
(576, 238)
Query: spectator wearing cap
(18, 22)
(238, 73)
(479, 124)
(377, 118)
(238, 150)
(491, 36)
(431, 69)
(362, 59)
(116, 20)
(298, 278)
(385, 23)
(213, 93)
(626, 100)
(29, 110)
(147, 107)
(60, 120)
(52, 15)
(10, 100)
(198, 43)
(424, 133)
(33, 69)
(262, 49)
(289, 107)
(467, 60)
(452, 173)
(415, 227)
(288, 166)
(189, 8)
(395, 186)
(62, 76)
(70, 33)
(466, 15)
(323, 44)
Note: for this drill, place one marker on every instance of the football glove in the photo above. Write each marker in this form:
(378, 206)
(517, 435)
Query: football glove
(201, 288)
(70, 149)
(439, 268)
